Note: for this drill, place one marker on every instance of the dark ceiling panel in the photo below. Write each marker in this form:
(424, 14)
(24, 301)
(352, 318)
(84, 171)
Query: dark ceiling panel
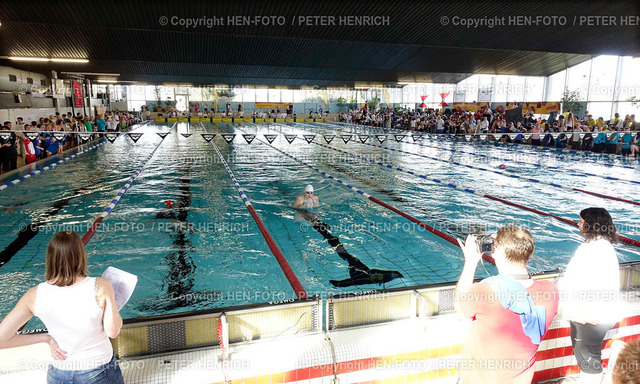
(420, 42)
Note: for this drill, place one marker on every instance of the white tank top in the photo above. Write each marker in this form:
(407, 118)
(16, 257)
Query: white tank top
(74, 320)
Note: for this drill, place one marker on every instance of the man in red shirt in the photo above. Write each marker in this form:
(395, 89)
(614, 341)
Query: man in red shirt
(29, 150)
(510, 312)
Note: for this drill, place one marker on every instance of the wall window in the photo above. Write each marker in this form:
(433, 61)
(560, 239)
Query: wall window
(578, 79)
(630, 79)
(135, 105)
(471, 89)
(555, 86)
(599, 109)
(195, 94)
(626, 108)
(274, 95)
(533, 89)
(485, 88)
(516, 89)
(603, 78)
(248, 94)
(262, 95)
(286, 95)
(136, 92)
(500, 88)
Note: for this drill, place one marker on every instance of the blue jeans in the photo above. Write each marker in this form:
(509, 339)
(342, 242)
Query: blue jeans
(105, 374)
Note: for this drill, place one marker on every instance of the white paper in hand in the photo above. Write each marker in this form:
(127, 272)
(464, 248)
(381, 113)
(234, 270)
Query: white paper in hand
(123, 284)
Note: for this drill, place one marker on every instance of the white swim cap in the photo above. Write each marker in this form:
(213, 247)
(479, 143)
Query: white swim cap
(309, 188)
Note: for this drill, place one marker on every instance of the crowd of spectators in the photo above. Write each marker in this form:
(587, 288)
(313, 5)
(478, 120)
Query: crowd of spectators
(284, 112)
(18, 145)
(586, 133)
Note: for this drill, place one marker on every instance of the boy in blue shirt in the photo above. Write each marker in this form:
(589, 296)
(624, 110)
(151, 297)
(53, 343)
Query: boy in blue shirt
(627, 139)
(599, 141)
(53, 147)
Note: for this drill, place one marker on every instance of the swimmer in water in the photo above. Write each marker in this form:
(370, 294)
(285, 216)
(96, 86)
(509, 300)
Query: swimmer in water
(168, 213)
(308, 200)
(359, 273)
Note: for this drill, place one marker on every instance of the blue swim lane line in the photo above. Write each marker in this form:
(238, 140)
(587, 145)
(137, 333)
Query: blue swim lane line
(530, 148)
(451, 139)
(533, 164)
(623, 239)
(94, 227)
(46, 168)
(507, 174)
(511, 175)
(52, 165)
(523, 162)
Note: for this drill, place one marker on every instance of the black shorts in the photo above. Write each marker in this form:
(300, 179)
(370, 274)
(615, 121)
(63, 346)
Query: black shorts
(598, 147)
(586, 340)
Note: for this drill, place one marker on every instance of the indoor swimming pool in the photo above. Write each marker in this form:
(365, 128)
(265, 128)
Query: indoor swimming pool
(211, 254)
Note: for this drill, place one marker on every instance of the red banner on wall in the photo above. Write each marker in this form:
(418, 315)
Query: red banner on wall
(78, 94)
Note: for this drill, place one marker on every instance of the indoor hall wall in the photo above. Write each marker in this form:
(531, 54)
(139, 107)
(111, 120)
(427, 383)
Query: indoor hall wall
(28, 115)
(7, 100)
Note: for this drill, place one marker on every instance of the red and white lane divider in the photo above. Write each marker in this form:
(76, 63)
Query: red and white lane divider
(429, 228)
(623, 239)
(512, 175)
(286, 268)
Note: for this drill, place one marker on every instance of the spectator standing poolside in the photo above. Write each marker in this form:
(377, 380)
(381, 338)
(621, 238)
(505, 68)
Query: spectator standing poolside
(591, 286)
(100, 123)
(626, 139)
(8, 151)
(80, 314)
(612, 141)
(29, 149)
(510, 312)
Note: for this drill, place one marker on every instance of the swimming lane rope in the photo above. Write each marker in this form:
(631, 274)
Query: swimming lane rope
(39, 171)
(511, 175)
(526, 163)
(94, 227)
(623, 239)
(429, 228)
(286, 268)
(529, 148)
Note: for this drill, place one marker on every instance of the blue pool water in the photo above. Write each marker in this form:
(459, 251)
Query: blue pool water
(220, 259)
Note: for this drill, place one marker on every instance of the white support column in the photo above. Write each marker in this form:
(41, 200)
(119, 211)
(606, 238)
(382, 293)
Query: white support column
(88, 105)
(616, 86)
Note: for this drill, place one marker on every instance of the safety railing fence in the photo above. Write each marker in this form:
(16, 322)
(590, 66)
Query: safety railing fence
(237, 120)
(146, 336)
(268, 321)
